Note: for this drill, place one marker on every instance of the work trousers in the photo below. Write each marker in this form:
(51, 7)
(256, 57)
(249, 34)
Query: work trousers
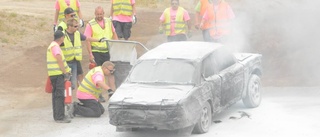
(90, 108)
(178, 37)
(100, 58)
(58, 96)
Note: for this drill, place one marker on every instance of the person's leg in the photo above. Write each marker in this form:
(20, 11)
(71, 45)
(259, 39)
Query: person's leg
(79, 73)
(58, 97)
(98, 58)
(118, 28)
(90, 108)
(181, 37)
(73, 66)
(127, 30)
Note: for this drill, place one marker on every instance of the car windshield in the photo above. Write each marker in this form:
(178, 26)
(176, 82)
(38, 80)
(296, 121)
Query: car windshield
(163, 71)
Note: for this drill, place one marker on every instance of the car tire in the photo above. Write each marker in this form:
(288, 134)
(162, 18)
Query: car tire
(253, 93)
(205, 120)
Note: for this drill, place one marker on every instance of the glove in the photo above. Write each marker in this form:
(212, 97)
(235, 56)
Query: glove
(103, 39)
(134, 19)
(110, 92)
(67, 76)
(81, 23)
(110, 17)
(54, 28)
(160, 30)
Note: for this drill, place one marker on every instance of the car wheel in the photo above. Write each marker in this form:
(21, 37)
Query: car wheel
(204, 121)
(253, 95)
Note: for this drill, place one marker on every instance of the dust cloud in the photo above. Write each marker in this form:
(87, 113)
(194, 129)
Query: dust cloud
(285, 32)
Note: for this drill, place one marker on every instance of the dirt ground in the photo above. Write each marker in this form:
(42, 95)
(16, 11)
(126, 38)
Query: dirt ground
(26, 31)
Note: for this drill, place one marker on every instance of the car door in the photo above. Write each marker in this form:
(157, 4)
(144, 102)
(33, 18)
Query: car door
(212, 81)
(232, 75)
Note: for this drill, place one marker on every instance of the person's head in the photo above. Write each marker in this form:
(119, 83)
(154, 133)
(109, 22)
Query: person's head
(99, 13)
(69, 13)
(175, 4)
(108, 68)
(58, 36)
(72, 25)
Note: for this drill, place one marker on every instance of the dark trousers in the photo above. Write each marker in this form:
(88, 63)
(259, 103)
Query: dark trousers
(90, 108)
(100, 58)
(123, 29)
(57, 96)
(178, 37)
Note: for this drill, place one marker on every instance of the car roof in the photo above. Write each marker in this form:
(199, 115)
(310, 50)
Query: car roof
(189, 50)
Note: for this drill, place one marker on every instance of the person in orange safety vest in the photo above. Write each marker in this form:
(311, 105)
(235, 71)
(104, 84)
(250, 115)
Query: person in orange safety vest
(218, 18)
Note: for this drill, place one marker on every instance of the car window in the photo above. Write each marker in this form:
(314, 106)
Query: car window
(163, 71)
(208, 66)
(223, 58)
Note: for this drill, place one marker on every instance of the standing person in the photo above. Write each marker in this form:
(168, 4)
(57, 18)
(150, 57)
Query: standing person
(97, 28)
(200, 9)
(219, 15)
(68, 14)
(72, 50)
(59, 72)
(123, 12)
(61, 5)
(91, 87)
(175, 21)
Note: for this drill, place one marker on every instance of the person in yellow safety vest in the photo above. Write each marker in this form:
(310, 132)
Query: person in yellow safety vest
(68, 13)
(175, 21)
(200, 9)
(122, 13)
(219, 15)
(58, 72)
(97, 28)
(61, 5)
(91, 87)
(72, 50)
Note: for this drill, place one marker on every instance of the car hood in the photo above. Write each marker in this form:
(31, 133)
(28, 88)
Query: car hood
(145, 94)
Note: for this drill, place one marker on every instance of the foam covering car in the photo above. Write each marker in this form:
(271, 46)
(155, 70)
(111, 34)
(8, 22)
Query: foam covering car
(179, 85)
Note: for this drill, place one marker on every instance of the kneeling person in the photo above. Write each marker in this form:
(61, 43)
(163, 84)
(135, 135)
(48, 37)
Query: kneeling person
(90, 89)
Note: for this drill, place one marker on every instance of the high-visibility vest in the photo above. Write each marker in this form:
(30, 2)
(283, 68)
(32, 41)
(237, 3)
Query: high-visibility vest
(72, 51)
(204, 5)
(63, 5)
(52, 64)
(219, 20)
(180, 25)
(122, 7)
(98, 33)
(87, 85)
(63, 25)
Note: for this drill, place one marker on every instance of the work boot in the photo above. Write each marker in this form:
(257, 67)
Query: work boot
(64, 120)
(101, 98)
(73, 112)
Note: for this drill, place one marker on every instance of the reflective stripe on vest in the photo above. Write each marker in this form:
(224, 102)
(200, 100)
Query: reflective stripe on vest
(122, 7)
(180, 26)
(72, 51)
(63, 5)
(87, 85)
(98, 33)
(219, 21)
(52, 64)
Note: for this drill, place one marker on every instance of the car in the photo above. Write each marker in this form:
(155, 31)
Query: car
(182, 85)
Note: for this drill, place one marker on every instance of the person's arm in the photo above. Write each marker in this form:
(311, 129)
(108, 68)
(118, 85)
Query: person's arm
(111, 82)
(114, 34)
(111, 9)
(60, 63)
(197, 16)
(103, 85)
(134, 10)
(79, 10)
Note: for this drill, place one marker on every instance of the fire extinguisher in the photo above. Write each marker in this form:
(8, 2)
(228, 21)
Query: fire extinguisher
(67, 92)
(48, 86)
